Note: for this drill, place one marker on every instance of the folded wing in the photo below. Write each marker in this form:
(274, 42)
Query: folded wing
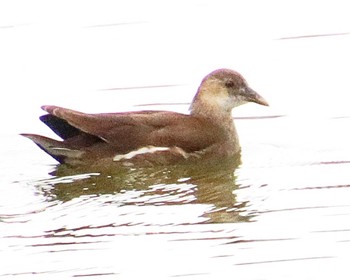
(124, 132)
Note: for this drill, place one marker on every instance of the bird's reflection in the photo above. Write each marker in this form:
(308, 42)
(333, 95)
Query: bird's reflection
(212, 184)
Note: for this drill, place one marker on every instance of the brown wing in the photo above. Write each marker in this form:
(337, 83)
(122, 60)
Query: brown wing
(131, 130)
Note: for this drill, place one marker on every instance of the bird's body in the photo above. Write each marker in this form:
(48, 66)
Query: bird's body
(152, 137)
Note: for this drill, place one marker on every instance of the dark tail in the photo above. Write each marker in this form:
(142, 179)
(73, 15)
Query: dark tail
(61, 127)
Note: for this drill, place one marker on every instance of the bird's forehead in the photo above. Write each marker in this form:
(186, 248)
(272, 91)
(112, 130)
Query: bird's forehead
(227, 75)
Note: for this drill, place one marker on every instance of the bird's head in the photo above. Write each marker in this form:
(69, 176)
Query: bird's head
(224, 89)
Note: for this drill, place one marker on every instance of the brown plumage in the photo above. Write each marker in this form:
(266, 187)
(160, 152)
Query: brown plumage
(152, 137)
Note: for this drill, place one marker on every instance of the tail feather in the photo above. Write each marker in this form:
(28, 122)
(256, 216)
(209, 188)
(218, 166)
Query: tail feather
(57, 149)
(61, 127)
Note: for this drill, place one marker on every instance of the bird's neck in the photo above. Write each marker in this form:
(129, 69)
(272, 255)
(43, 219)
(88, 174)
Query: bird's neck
(214, 113)
(228, 142)
(215, 108)
(209, 110)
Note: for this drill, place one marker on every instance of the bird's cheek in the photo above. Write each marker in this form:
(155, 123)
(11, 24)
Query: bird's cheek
(238, 100)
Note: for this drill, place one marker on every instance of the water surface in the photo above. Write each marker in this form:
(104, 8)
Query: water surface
(281, 211)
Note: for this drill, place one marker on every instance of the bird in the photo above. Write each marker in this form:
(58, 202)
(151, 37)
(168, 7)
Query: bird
(152, 137)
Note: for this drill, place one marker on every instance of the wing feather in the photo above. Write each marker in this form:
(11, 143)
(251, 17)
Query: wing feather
(131, 130)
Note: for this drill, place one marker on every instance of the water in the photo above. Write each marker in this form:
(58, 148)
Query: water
(282, 212)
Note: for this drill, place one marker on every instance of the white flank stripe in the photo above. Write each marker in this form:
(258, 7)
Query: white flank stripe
(141, 151)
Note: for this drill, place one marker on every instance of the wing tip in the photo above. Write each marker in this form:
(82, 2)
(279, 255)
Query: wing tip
(49, 108)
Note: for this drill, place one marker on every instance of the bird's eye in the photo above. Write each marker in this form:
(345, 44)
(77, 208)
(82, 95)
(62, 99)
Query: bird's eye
(230, 84)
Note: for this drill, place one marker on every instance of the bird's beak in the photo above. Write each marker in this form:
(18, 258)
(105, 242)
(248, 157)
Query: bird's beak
(252, 96)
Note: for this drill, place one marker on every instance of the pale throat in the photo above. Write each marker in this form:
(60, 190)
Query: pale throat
(213, 105)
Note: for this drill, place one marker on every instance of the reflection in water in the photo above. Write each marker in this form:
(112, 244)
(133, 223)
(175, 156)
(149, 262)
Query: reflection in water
(210, 184)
